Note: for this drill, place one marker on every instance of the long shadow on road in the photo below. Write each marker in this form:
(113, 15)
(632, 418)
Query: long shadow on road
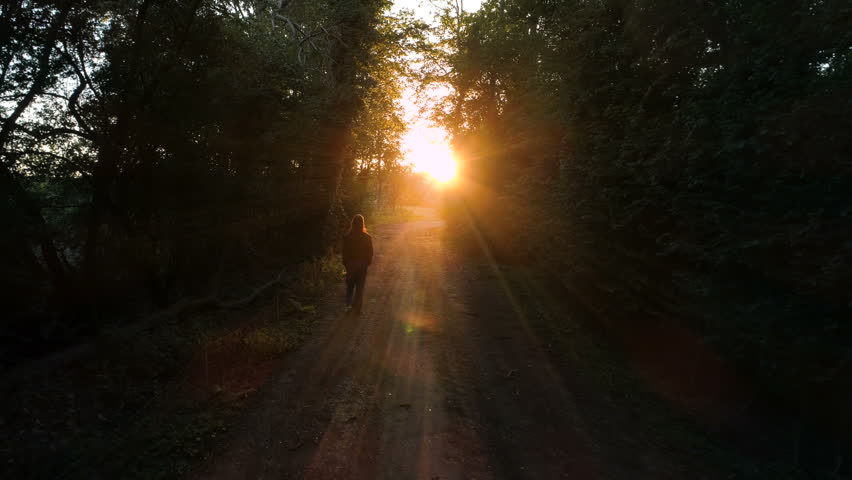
(446, 375)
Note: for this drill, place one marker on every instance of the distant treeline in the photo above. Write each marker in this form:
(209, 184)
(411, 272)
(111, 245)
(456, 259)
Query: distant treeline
(680, 162)
(158, 149)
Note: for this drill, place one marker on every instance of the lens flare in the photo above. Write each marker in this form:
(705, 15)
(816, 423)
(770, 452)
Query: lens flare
(434, 158)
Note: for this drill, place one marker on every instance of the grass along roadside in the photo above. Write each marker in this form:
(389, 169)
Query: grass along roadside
(391, 215)
(148, 405)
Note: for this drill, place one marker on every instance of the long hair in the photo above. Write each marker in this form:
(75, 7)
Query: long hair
(357, 225)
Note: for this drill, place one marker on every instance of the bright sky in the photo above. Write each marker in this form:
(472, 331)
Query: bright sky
(425, 145)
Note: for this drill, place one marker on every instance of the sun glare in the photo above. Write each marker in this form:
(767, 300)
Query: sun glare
(436, 159)
(432, 157)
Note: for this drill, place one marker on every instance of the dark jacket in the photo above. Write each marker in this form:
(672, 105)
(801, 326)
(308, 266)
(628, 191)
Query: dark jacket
(357, 251)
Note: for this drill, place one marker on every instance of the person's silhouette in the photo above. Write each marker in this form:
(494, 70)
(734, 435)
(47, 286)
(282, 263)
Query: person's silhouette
(357, 256)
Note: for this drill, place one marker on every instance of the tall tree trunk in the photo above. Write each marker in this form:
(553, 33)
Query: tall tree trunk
(353, 24)
(111, 150)
(380, 180)
(8, 183)
(42, 71)
(32, 211)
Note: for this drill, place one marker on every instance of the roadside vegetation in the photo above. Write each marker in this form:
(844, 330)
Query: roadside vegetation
(174, 177)
(157, 152)
(150, 399)
(675, 168)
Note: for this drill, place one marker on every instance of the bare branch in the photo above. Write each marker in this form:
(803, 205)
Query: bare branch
(78, 166)
(98, 94)
(57, 132)
(75, 96)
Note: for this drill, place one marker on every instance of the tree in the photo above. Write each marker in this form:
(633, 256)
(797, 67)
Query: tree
(30, 73)
(692, 160)
(141, 139)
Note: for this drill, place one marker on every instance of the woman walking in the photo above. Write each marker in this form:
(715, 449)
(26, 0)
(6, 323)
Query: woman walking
(357, 256)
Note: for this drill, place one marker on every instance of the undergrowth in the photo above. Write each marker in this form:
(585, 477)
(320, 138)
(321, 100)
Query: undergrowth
(394, 215)
(620, 409)
(150, 404)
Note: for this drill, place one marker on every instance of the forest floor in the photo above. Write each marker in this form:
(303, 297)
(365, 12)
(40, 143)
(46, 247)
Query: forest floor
(463, 368)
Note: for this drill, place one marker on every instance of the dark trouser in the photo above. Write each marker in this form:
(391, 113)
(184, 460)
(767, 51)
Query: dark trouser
(355, 281)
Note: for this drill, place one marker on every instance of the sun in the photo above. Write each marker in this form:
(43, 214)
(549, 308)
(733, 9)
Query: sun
(434, 158)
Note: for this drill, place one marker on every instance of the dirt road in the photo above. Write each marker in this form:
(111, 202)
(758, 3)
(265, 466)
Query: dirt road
(440, 378)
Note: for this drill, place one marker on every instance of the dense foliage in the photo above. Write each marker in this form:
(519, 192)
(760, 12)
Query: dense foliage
(157, 149)
(673, 162)
(669, 163)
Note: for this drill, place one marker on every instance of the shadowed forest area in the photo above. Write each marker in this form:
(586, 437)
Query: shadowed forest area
(154, 151)
(681, 169)
(176, 177)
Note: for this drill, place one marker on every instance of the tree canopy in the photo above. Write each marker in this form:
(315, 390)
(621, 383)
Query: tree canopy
(691, 160)
(142, 139)
(663, 161)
